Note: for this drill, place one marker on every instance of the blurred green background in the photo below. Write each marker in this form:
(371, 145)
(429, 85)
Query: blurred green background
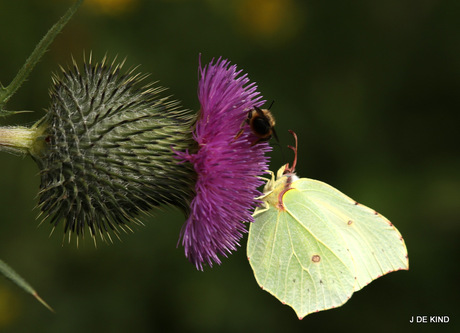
(372, 90)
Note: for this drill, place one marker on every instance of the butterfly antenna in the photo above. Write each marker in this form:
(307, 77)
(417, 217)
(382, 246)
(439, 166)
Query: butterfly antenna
(294, 163)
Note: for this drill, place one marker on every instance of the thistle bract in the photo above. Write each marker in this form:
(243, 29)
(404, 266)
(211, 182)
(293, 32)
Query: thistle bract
(107, 150)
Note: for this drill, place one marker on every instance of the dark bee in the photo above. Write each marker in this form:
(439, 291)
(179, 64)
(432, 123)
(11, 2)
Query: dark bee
(261, 123)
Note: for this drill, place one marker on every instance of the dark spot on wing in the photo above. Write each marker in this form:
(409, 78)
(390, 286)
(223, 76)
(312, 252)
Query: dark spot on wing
(316, 258)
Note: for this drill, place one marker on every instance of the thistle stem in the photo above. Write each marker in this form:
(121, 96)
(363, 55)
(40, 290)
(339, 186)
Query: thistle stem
(20, 139)
(40, 49)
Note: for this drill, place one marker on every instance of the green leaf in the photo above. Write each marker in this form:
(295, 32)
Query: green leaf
(10, 274)
(312, 246)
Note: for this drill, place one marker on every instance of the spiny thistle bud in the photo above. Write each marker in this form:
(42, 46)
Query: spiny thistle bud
(107, 153)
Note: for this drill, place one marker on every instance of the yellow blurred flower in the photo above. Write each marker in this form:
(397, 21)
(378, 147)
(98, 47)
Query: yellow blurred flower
(9, 307)
(111, 7)
(268, 18)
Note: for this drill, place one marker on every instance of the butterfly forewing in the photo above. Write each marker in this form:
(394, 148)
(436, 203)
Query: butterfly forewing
(375, 245)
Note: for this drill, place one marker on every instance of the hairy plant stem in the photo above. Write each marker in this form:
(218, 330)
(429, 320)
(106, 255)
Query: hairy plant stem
(21, 140)
(40, 49)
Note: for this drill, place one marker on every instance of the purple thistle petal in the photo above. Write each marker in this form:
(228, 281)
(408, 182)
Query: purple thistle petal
(227, 168)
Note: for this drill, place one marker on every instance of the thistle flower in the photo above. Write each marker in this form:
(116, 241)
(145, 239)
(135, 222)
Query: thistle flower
(227, 164)
(106, 150)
